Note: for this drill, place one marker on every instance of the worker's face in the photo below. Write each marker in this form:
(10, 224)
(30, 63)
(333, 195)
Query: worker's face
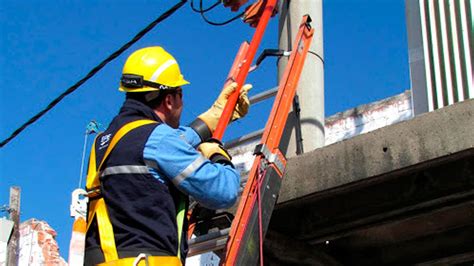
(176, 100)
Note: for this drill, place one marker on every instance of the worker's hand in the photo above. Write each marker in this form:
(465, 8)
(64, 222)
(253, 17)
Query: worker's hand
(214, 151)
(211, 117)
(206, 123)
(243, 103)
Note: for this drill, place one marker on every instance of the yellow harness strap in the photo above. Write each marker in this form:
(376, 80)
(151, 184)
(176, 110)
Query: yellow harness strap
(97, 207)
(180, 221)
(148, 261)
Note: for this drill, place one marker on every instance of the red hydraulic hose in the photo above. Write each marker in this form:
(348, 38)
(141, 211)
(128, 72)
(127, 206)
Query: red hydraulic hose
(252, 50)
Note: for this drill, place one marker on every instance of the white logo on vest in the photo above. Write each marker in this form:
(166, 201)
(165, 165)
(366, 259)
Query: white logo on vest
(104, 141)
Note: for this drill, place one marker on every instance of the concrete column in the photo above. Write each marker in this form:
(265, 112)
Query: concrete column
(419, 91)
(311, 85)
(13, 245)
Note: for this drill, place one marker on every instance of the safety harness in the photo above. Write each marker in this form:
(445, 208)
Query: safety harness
(98, 209)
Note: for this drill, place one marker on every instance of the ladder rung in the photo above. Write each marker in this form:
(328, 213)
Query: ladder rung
(208, 242)
(209, 236)
(256, 134)
(263, 95)
(235, 142)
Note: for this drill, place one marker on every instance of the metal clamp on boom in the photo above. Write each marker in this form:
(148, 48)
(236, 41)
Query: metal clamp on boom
(262, 149)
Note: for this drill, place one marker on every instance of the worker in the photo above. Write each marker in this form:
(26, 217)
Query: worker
(144, 167)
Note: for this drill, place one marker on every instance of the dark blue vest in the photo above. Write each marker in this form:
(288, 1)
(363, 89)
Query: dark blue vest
(142, 210)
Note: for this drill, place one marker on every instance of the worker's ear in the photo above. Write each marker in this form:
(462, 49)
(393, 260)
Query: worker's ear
(169, 102)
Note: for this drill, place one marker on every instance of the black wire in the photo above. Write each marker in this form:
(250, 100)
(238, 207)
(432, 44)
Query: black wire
(96, 69)
(204, 10)
(221, 23)
(318, 56)
(218, 23)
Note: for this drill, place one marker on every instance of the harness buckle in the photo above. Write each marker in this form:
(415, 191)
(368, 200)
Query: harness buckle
(141, 256)
(94, 193)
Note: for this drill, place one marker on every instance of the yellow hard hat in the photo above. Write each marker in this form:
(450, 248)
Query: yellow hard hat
(151, 69)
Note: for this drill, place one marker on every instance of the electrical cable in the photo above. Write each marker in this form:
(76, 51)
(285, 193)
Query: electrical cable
(318, 56)
(206, 9)
(221, 23)
(218, 23)
(279, 56)
(96, 69)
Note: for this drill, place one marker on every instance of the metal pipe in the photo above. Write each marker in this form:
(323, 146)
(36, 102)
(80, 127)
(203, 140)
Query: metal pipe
(83, 159)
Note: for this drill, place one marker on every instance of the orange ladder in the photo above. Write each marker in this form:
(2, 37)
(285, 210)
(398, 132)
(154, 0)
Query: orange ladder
(263, 184)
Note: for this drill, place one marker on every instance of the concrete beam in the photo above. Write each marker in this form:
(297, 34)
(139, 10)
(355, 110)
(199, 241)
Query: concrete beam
(277, 252)
(402, 194)
(339, 212)
(434, 135)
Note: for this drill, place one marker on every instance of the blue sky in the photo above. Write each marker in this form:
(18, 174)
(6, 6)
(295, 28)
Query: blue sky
(46, 46)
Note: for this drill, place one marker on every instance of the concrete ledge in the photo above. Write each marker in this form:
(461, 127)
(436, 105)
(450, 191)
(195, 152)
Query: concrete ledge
(429, 136)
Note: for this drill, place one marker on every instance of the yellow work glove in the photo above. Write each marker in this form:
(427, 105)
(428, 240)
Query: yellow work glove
(214, 151)
(211, 117)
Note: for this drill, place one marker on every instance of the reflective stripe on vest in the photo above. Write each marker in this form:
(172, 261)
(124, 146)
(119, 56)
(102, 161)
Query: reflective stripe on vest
(125, 169)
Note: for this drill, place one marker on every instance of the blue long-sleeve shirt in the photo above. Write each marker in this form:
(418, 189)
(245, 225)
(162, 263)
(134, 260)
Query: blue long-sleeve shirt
(171, 156)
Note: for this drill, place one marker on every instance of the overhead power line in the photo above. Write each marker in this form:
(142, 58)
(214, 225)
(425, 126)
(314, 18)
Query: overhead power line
(96, 69)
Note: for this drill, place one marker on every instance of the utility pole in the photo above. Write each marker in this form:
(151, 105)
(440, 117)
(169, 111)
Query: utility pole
(311, 85)
(13, 245)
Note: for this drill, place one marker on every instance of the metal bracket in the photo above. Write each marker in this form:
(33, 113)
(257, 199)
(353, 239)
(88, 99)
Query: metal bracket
(6, 208)
(262, 149)
(266, 53)
(78, 207)
(298, 132)
(308, 21)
